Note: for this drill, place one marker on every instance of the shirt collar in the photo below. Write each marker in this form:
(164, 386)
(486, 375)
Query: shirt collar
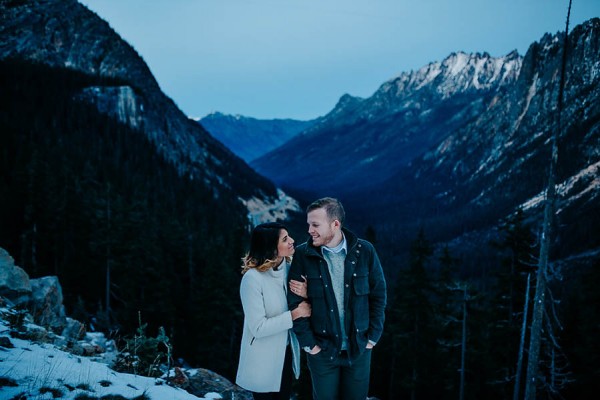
(342, 246)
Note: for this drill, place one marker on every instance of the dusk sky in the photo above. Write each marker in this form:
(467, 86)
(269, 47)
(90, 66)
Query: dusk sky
(296, 58)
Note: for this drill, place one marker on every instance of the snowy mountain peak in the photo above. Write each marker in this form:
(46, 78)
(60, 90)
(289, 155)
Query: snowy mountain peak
(459, 72)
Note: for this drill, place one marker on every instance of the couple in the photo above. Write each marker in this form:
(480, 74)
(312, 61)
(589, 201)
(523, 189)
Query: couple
(337, 297)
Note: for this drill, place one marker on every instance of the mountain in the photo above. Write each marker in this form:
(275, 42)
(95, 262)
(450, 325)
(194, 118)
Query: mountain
(106, 184)
(458, 145)
(66, 34)
(250, 138)
(372, 138)
(497, 161)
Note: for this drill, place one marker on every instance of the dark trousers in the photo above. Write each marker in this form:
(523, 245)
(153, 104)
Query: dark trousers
(287, 375)
(338, 379)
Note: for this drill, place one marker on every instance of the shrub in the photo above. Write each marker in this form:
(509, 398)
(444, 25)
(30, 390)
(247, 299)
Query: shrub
(144, 355)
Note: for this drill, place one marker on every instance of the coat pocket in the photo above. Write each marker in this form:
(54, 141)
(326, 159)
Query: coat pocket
(361, 284)
(360, 303)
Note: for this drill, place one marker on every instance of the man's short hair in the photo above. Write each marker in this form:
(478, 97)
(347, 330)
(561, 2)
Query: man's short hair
(333, 208)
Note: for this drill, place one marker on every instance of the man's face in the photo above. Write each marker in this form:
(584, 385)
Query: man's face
(320, 228)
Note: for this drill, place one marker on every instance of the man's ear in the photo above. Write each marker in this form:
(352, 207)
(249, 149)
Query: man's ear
(337, 223)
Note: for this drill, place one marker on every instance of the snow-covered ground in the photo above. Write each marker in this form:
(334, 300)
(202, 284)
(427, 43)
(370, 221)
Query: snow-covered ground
(42, 371)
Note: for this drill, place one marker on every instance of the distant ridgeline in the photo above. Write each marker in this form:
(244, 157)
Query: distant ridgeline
(251, 138)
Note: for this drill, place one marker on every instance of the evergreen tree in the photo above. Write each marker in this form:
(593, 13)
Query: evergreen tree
(410, 326)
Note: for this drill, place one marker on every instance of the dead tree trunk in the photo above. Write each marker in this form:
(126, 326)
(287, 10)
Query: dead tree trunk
(517, 387)
(540, 290)
(463, 350)
(108, 253)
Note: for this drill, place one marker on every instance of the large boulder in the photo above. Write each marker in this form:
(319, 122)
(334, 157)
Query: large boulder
(14, 281)
(201, 381)
(47, 303)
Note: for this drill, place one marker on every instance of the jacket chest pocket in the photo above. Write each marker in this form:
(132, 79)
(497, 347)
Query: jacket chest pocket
(360, 282)
(360, 304)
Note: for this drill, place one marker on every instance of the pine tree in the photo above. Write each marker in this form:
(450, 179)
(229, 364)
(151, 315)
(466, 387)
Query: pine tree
(410, 326)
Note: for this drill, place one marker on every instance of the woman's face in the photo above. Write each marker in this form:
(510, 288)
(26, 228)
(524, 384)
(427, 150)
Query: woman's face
(285, 246)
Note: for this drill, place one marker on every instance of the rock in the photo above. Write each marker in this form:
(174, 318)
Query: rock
(6, 343)
(180, 379)
(47, 303)
(74, 330)
(14, 281)
(36, 334)
(201, 381)
(119, 102)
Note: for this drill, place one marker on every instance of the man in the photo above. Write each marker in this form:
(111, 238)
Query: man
(347, 292)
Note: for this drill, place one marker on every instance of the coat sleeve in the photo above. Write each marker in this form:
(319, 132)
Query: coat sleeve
(254, 309)
(377, 298)
(302, 327)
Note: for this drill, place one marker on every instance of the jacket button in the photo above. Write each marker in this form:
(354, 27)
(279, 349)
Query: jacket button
(353, 262)
(347, 285)
(354, 274)
(332, 310)
(324, 330)
(325, 285)
(357, 251)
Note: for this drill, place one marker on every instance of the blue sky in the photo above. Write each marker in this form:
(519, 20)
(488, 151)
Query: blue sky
(296, 58)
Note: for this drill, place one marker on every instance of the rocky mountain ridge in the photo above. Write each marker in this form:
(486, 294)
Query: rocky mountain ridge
(456, 151)
(384, 132)
(66, 34)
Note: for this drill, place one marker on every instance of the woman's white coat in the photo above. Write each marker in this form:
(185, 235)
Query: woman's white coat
(267, 328)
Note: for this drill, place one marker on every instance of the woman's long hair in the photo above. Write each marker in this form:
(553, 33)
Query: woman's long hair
(263, 247)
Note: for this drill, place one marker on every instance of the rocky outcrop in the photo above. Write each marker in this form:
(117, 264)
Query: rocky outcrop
(47, 303)
(201, 381)
(42, 297)
(14, 281)
(119, 102)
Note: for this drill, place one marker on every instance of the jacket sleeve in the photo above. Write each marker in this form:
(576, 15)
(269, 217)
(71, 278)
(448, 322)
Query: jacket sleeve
(302, 327)
(377, 298)
(254, 310)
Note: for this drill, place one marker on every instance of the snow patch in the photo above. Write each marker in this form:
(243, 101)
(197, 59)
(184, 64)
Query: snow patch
(261, 211)
(590, 174)
(35, 366)
(530, 94)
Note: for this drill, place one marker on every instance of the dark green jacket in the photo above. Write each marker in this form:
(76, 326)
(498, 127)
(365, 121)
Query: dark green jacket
(364, 298)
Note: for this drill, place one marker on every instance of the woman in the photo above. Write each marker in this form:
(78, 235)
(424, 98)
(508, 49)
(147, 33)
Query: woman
(269, 351)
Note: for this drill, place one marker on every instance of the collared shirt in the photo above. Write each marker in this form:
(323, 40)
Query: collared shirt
(342, 246)
(335, 261)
